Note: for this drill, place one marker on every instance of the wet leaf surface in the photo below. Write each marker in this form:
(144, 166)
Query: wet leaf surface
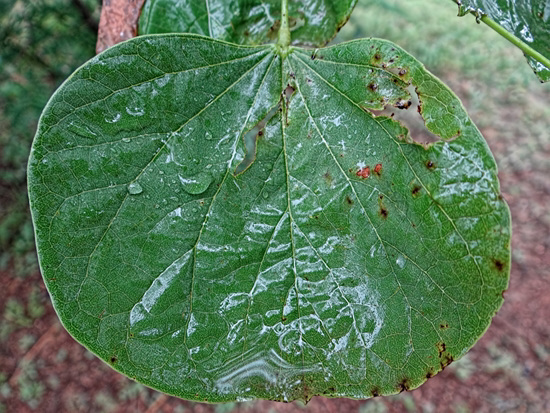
(312, 22)
(345, 260)
(528, 20)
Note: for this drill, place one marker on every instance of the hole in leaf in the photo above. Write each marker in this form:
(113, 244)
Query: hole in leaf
(251, 139)
(408, 113)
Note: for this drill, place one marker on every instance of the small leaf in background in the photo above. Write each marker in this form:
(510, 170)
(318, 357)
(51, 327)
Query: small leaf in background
(312, 22)
(528, 20)
(302, 275)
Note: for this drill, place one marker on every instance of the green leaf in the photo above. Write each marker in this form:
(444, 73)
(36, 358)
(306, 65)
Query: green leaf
(312, 22)
(527, 20)
(302, 275)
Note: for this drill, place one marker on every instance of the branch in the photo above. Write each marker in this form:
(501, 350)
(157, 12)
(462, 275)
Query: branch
(524, 47)
(118, 22)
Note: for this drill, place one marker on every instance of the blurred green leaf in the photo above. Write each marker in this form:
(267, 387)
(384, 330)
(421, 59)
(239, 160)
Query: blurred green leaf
(41, 43)
(528, 20)
(312, 22)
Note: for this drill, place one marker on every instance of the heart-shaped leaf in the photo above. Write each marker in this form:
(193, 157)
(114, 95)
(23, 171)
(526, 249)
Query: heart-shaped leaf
(313, 22)
(342, 258)
(528, 20)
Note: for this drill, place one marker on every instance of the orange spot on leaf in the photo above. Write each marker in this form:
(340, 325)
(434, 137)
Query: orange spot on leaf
(363, 172)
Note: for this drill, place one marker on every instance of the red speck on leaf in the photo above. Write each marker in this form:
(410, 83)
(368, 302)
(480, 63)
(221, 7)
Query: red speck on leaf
(378, 168)
(363, 172)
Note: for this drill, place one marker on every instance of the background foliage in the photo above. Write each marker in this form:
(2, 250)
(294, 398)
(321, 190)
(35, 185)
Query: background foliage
(43, 41)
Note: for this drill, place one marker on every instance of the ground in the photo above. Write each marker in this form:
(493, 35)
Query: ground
(43, 369)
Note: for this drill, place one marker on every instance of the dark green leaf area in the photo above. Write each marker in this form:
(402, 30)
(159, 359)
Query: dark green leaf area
(304, 274)
(529, 20)
(312, 22)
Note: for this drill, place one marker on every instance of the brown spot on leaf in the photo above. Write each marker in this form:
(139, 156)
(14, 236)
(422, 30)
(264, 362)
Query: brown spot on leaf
(373, 86)
(499, 265)
(444, 326)
(383, 211)
(416, 190)
(445, 361)
(113, 359)
(403, 104)
(402, 72)
(404, 385)
(430, 373)
(441, 347)
(349, 201)
(430, 165)
(375, 392)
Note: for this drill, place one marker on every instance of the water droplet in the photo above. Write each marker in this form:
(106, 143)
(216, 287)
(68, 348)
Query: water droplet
(134, 188)
(265, 195)
(125, 139)
(208, 136)
(135, 111)
(114, 119)
(400, 261)
(196, 185)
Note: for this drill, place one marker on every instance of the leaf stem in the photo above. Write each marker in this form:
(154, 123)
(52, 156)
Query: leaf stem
(284, 31)
(524, 47)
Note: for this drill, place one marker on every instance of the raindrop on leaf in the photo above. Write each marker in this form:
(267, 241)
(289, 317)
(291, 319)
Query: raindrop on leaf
(196, 185)
(134, 188)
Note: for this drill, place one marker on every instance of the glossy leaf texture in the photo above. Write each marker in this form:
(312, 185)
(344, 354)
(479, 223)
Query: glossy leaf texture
(529, 20)
(252, 22)
(304, 274)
